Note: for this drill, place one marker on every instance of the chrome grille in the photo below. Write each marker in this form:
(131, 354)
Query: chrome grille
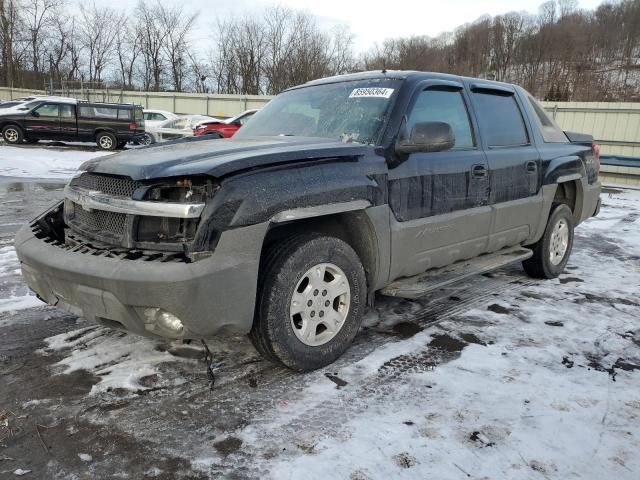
(109, 184)
(99, 221)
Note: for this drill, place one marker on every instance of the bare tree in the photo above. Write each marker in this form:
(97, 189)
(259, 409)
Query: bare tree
(176, 25)
(98, 27)
(127, 44)
(39, 17)
(151, 34)
(9, 22)
(562, 53)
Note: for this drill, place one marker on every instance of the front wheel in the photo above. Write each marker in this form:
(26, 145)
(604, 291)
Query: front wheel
(311, 301)
(12, 134)
(106, 141)
(551, 253)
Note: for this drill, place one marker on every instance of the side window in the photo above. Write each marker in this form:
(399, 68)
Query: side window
(159, 117)
(444, 106)
(148, 116)
(48, 110)
(500, 118)
(86, 112)
(124, 114)
(109, 113)
(67, 111)
(551, 132)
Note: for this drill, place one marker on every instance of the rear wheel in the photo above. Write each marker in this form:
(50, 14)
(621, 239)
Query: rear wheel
(147, 139)
(311, 301)
(12, 134)
(106, 141)
(551, 253)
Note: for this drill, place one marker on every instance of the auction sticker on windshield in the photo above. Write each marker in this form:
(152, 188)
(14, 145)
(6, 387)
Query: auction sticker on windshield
(371, 92)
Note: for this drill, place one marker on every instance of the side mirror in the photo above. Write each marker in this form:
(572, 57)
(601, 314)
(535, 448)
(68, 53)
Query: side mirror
(427, 137)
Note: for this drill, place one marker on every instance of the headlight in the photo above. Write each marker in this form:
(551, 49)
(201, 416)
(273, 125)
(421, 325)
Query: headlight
(187, 190)
(171, 229)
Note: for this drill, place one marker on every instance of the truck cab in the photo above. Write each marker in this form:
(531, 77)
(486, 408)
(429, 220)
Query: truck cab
(390, 182)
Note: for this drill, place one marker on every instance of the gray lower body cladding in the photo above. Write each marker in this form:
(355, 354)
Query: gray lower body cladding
(213, 294)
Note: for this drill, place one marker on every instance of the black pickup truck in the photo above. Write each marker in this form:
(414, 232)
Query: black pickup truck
(110, 125)
(390, 182)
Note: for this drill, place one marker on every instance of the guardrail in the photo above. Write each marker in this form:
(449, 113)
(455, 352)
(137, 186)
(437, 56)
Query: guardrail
(620, 170)
(200, 103)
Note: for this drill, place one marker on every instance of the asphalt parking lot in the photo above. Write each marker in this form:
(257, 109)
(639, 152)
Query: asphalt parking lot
(500, 376)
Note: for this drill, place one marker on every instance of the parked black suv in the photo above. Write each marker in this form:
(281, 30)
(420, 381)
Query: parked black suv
(391, 182)
(110, 125)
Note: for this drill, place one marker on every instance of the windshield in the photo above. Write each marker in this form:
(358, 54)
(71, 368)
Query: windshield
(349, 111)
(30, 105)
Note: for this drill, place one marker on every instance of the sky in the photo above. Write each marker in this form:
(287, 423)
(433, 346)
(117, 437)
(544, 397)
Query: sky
(370, 21)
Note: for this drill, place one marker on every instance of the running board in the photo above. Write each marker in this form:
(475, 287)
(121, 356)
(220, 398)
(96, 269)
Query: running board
(419, 285)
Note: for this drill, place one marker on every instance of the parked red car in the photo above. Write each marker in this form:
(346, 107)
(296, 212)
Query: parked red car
(223, 128)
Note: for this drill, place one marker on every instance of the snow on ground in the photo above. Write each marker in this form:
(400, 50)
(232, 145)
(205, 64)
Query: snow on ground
(37, 162)
(13, 298)
(544, 394)
(99, 350)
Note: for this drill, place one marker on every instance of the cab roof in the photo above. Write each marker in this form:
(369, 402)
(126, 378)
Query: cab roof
(401, 75)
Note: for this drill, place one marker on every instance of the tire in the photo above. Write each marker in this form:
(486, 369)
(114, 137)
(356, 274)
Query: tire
(551, 253)
(321, 332)
(106, 141)
(214, 135)
(13, 134)
(147, 139)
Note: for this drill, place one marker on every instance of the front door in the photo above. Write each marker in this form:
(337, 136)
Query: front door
(514, 163)
(439, 199)
(43, 122)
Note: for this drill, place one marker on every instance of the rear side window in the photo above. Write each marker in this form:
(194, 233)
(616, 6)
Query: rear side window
(86, 112)
(443, 106)
(138, 115)
(124, 114)
(110, 113)
(551, 132)
(500, 118)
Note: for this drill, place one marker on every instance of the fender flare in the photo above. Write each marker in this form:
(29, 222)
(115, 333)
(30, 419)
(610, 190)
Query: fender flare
(319, 211)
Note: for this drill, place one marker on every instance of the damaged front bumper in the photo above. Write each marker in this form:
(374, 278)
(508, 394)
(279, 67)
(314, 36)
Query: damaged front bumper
(207, 296)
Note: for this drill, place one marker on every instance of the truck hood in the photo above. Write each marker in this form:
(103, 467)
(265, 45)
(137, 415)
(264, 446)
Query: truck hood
(219, 157)
(10, 112)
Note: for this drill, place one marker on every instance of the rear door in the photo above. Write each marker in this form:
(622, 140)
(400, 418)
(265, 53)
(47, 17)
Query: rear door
(439, 199)
(514, 164)
(43, 122)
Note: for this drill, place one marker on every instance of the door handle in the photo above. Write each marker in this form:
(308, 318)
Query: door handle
(532, 167)
(479, 171)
